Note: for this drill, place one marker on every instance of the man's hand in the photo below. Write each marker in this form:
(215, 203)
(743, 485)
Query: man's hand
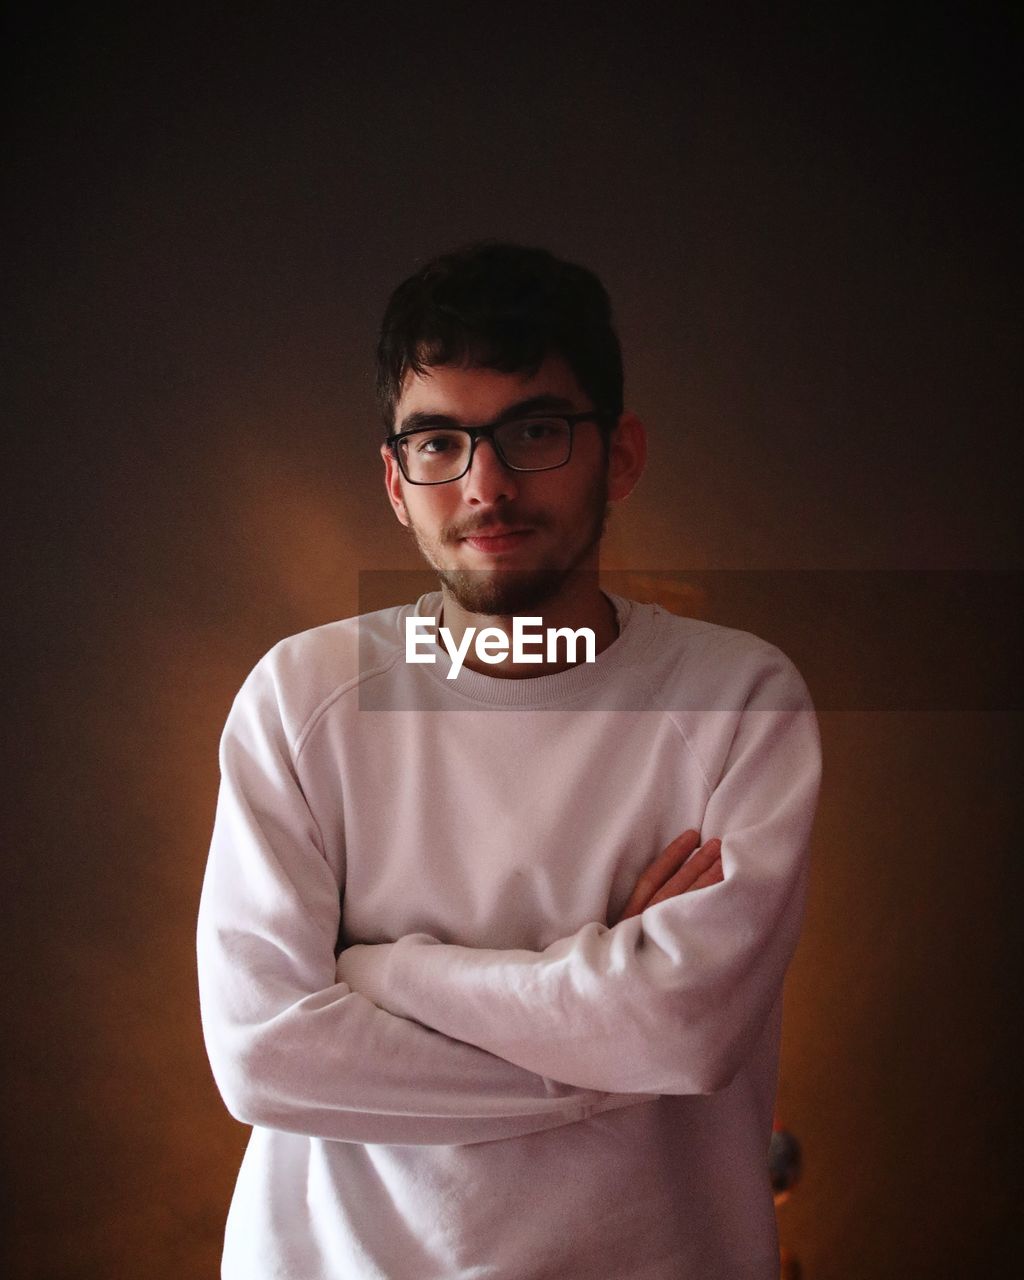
(676, 871)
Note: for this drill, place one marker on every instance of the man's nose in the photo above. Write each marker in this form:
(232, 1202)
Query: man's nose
(488, 480)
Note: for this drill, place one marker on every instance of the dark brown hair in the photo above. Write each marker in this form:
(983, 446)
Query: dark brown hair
(500, 306)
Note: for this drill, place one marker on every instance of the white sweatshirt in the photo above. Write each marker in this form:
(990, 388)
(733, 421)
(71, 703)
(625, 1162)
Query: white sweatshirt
(453, 1068)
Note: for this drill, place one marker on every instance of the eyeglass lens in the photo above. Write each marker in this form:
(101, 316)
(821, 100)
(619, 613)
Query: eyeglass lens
(532, 444)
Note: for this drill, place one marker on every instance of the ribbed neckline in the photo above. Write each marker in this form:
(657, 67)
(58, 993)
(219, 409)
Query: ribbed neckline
(635, 624)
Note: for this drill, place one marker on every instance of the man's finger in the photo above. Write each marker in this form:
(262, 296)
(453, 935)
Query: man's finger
(660, 870)
(713, 875)
(710, 872)
(657, 879)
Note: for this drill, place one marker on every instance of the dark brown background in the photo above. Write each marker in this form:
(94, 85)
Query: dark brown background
(805, 224)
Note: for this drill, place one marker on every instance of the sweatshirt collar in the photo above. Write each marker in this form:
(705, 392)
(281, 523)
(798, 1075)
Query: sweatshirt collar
(544, 690)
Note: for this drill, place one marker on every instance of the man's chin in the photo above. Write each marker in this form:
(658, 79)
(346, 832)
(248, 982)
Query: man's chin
(502, 592)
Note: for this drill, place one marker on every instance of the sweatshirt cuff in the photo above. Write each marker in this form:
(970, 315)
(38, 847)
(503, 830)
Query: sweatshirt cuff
(362, 968)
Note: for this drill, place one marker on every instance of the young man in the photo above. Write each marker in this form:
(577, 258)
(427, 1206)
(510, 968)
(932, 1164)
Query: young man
(480, 1025)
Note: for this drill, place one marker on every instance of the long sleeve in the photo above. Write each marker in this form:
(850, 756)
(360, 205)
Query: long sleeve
(290, 1046)
(670, 1001)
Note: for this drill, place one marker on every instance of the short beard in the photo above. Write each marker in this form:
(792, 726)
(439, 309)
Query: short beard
(506, 593)
(502, 593)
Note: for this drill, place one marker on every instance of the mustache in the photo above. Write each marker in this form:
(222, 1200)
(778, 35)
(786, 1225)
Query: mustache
(513, 519)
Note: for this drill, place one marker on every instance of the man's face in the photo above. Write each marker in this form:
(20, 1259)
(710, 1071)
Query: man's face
(552, 521)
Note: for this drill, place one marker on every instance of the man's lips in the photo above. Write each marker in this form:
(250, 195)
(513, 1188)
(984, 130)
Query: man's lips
(497, 539)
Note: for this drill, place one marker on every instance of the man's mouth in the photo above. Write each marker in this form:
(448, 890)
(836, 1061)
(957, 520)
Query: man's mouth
(498, 539)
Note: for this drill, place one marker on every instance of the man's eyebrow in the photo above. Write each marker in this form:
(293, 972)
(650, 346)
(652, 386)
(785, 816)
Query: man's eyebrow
(535, 404)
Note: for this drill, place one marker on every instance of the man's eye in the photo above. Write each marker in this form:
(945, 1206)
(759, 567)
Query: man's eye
(535, 429)
(436, 443)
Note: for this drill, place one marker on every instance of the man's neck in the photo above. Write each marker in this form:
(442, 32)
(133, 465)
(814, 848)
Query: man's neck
(581, 605)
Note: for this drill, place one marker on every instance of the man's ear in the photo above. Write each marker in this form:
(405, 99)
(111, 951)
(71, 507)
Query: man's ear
(627, 456)
(393, 484)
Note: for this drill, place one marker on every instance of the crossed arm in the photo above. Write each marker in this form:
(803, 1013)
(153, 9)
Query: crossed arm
(668, 1001)
(291, 1046)
(421, 1042)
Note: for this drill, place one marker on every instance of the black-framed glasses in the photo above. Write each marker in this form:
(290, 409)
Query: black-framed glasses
(538, 442)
